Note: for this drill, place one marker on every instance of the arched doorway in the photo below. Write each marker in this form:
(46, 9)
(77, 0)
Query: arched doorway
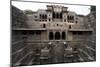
(51, 37)
(57, 35)
(63, 36)
(44, 26)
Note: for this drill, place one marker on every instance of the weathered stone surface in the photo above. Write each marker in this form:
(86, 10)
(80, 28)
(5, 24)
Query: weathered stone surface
(69, 41)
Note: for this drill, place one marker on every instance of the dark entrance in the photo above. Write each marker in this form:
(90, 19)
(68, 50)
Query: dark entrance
(63, 36)
(51, 36)
(57, 36)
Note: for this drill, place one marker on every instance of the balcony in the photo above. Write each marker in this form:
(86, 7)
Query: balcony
(29, 29)
(80, 28)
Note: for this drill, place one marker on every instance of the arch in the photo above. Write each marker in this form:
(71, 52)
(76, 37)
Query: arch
(64, 20)
(45, 16)
(57, 35)
(67, 17)
(44, 26)
(72, 17)
(51, 37)
(57, 15)
(54, 14)
(40, 16)
(61, 15)
(63, 35)
(69, 26)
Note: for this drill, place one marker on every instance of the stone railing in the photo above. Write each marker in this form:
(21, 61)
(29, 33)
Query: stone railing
(79, 27)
